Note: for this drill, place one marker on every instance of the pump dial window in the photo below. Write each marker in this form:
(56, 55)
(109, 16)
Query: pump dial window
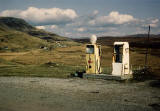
(90, 49)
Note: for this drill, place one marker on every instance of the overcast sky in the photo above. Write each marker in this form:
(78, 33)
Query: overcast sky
(82, 18)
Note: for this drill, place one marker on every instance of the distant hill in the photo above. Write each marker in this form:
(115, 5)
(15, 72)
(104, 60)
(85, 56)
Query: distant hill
(16, 34)
(137, 40)
(16, 24)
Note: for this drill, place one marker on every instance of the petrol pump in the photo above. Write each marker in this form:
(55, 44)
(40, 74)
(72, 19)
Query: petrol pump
(121, 64)
(93, 57)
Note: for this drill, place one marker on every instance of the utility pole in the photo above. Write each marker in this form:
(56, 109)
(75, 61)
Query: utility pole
(147, 48)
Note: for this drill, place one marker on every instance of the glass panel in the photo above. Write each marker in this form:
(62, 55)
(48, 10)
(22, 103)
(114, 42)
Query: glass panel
(118, 53)
(99, 47)
(90, 49)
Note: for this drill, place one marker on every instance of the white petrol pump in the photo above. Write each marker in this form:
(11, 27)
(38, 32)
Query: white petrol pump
(120, 64)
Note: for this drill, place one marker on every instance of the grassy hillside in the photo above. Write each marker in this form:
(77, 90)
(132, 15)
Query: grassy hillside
(27, 51)
(17, 35)
(17, 41)
(22, 26)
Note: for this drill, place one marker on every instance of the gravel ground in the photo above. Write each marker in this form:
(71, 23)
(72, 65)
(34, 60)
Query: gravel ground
(74, 94)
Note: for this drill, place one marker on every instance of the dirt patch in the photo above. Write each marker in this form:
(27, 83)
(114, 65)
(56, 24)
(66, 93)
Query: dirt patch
(48, 94)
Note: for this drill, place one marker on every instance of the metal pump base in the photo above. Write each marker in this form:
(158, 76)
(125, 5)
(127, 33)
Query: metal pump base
(106, 76)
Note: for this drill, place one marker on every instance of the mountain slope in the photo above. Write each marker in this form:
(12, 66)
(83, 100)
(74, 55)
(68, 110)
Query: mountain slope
(15, 41)
(16, 34)
(22, 26)
(16, 24)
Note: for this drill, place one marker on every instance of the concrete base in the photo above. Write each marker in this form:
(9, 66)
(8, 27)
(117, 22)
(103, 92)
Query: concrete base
(105, 76)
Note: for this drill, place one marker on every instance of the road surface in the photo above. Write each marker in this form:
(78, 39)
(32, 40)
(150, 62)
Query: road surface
(74, 94)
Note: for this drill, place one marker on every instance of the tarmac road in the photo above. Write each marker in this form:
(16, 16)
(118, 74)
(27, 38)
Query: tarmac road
(74, 94)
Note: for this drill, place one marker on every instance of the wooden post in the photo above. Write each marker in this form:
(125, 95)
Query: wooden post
(147, 48)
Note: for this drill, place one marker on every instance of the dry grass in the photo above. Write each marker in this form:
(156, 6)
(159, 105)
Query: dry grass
(73, 56)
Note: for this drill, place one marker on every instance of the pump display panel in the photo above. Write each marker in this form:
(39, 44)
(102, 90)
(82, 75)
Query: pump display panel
(90, 49)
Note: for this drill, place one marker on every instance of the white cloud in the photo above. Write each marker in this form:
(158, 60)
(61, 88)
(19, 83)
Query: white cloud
(153, 25)
(68, 34)
(41, 27)
(155, 21)
(92, 22)
(80, 29)
(92, 15)
(43, 15)
(95, 12)
(53, 26)
(114, 17)
(66, 22)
